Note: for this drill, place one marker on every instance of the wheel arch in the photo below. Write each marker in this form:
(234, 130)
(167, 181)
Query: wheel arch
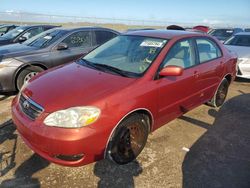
(24, 66)
(229, 78)
(143, 111)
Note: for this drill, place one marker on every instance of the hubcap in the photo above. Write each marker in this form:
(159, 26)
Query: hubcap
(131, 142)
(29, 76)
(221, 95)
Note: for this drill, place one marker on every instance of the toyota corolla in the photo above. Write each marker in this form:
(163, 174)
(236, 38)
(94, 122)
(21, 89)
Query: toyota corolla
(105, 104)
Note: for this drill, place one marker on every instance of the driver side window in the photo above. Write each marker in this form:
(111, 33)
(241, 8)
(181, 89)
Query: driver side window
(79, 39)
(181, 54)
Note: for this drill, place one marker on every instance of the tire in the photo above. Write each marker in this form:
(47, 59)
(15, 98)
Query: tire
(129, 139)
(26, 74)
(220, 94)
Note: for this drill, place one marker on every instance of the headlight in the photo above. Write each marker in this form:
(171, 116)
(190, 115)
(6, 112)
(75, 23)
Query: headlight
(243, 60)
(74, 117)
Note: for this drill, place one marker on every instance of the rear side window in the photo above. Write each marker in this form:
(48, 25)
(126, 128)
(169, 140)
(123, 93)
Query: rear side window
(103, 36)
(239, 40)
(33, 32)
(3, 29)
(79, 39)
(181, 54)
(207, 50)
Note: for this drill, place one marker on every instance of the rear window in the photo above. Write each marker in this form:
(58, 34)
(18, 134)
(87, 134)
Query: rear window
(239, 40)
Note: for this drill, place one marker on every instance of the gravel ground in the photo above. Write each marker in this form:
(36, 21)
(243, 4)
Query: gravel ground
(204, 148)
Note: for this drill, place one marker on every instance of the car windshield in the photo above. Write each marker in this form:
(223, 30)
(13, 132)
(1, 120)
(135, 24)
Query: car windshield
(14, 33)
(221, 33)
(46, 38)
(239, 40)
(128, 55)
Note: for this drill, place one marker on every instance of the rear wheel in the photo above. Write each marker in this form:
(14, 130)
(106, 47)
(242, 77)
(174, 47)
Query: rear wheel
(220, 95)
(26, 74)
(129, 139)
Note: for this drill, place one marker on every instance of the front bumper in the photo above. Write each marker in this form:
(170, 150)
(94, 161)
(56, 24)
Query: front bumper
(51, 142)
(243, 70)
(7, 83)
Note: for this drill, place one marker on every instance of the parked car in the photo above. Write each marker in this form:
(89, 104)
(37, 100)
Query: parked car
(20, 62)
(6, 28)
(224, 34)
(202, 28)
(240, 44)
(106, 104)
(22, 33)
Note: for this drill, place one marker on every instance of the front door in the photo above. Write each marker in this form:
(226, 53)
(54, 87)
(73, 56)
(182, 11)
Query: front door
(178, 94)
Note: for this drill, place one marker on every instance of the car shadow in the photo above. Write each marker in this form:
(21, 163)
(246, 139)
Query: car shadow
(220, 157)
(243, 80)
(113, 175)
(6, 95)
(7, 158)
(23, 173)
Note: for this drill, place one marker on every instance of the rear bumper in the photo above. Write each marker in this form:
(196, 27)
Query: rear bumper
(243, 70)
(51, 142)
(7, 83)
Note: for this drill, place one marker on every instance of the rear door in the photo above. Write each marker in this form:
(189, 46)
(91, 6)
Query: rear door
(210, 67)
(79, 43)
(178, 94)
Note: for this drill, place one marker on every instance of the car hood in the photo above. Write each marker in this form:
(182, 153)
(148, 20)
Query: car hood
(13, 50)
(241, 51)
(73, 85)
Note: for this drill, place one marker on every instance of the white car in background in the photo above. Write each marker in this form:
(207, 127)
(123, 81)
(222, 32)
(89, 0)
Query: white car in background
(240, 44)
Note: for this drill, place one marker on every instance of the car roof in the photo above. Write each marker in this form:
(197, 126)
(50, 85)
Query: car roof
(30, 26)
(166, 34)
(7, 25)
(243, 33)
(87, 28)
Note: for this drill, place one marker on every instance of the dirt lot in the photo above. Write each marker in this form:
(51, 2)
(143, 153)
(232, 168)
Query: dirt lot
(218, 139)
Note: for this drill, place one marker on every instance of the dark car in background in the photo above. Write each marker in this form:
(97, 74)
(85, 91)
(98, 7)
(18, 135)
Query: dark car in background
(5, 28)
(22, 33)
(225, 33)
(20, 62)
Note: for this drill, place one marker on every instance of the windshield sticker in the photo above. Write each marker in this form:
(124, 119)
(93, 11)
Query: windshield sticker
(47, 37)
(150, 43)
(20, 30)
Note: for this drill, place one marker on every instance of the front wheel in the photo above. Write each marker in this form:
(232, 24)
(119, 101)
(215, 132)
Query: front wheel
(26, 74)
(129, 139)
(220, 95)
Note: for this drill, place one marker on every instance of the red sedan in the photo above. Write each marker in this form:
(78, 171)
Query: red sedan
(106, 104)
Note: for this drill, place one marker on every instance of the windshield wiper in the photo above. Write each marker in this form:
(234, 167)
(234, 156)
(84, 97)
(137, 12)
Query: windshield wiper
(113, 69)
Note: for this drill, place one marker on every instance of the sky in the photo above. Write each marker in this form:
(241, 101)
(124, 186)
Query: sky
(215, 12)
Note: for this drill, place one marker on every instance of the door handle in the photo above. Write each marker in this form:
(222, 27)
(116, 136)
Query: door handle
(196, 75)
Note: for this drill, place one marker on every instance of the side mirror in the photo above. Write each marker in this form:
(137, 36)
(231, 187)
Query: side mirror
(62, 46)
(22, 39)
(171, 70)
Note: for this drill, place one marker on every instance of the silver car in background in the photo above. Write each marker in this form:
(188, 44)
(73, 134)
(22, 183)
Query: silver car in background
(240, 44)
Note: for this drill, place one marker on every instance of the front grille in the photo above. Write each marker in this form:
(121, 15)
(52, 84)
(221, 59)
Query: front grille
(29, 107)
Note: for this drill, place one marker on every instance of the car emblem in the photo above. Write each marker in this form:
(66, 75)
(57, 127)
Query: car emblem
(26, 105)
